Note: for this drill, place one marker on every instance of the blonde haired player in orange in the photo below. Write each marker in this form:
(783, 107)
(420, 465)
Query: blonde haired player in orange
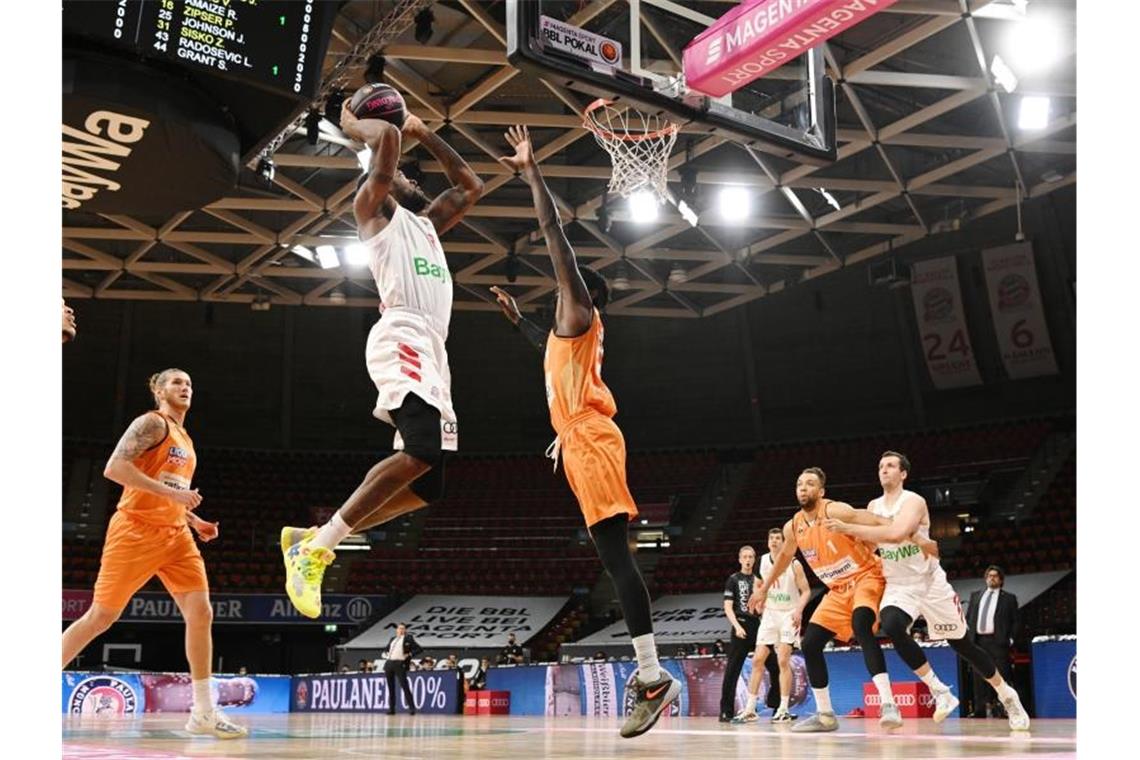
(853, 574)
(149, 535)
(592, 447)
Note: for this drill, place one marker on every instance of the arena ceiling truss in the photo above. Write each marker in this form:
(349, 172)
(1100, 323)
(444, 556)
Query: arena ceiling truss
(927, 144)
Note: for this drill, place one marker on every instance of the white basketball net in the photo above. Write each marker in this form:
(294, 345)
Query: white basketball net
(639, 145)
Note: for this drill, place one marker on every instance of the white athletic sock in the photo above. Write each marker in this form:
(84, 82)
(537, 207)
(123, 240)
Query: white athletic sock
(1005, 691)
(203, 699)
(648, 669)
(332, 532)
(784, 704)
(822, 700)
(750, 706)
(932, 682)
(883, 684)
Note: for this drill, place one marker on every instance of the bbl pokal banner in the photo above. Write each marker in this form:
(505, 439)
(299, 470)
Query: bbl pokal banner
(1019, 321)
(473, 621)
(941, 325)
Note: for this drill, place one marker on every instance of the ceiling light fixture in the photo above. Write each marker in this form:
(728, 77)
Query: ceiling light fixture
(643, 207)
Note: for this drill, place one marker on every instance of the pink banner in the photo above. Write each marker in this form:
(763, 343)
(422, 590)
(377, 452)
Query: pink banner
(759, 36)
(75, 603)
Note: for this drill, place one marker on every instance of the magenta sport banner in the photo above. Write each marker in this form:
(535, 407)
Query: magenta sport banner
(758, 36)
(1019, 320)
(941, 324)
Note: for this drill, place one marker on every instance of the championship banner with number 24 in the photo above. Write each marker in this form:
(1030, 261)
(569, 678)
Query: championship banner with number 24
(941, 326)
(1015, 300)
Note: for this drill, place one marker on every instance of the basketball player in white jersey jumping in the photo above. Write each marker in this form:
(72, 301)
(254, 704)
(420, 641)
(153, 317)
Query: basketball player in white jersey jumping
(917, 585)
(779, 627)
(405, 354)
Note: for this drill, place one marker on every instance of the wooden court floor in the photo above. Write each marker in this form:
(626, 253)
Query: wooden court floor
(526, 738)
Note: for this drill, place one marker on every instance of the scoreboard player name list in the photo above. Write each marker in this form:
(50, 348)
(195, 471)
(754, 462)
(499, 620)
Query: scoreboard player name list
(208, 32)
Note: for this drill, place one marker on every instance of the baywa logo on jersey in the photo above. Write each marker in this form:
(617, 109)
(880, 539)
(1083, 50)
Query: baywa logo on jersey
(177, 456)
(103, 695)
(425, 268)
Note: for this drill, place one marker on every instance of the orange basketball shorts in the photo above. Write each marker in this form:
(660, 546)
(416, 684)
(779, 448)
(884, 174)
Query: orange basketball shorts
(135, 551)
(834, 612)
(593, 455)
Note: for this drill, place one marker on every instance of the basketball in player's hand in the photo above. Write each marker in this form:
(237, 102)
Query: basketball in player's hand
(379, 101)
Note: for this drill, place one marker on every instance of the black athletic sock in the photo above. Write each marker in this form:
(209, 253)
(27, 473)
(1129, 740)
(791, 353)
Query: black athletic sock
(611, 538)
(978, 658)
(815, 638)
(863, 621)
(894, 622)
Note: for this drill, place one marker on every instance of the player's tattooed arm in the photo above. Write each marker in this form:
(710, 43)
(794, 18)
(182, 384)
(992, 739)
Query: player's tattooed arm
(144, 433)
(450, 205)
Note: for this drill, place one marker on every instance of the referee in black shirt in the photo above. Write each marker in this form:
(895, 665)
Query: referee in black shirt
(742, 642)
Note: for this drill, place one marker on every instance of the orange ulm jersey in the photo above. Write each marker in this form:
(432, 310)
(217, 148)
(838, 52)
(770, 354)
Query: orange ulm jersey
(170, 462)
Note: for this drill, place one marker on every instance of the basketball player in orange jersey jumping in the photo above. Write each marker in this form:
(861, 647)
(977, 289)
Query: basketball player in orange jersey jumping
(853, 574)
(593, 450)
(149, 535)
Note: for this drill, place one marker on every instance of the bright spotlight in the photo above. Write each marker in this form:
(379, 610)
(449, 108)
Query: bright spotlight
(1034, 112)
(356, 255)
(327, 257)
(1033, 45)
(735, 203)
(643, 206)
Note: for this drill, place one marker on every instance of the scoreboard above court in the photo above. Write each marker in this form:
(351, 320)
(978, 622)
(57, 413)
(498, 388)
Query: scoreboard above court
(277, 45)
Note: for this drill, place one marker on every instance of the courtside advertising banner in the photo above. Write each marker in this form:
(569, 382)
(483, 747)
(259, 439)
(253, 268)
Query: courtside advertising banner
(1015, 301)
(941, 325)
(132, 693)
(434, 691)
(683, 619)
(1055, 676)
(472, 621)
(159, 607)
(605, 689)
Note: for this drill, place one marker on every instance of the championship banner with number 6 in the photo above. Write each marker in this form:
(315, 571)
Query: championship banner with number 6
(1015, 300)
(941, 327)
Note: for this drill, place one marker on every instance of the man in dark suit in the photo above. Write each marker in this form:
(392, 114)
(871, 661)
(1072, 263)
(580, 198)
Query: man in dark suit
(401, 649)
(992, 620)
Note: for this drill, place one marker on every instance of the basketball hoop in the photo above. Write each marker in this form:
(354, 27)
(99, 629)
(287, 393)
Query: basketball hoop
(639, 145)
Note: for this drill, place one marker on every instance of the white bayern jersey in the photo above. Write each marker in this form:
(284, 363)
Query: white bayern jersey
(410, 269)
(783, 594)
(904, 562)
